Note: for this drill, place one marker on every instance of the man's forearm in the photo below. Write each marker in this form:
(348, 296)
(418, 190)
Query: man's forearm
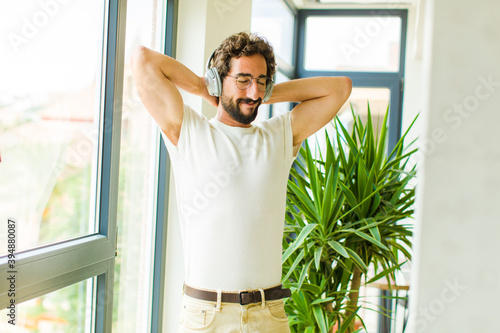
(301, 90)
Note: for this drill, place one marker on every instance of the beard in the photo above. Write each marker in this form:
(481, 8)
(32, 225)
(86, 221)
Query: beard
(233, 109)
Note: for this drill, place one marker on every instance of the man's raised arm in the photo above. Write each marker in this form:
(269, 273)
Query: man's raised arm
(320, 99)
(158, 78)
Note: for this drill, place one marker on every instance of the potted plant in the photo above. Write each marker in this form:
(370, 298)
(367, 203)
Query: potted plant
(345, 213)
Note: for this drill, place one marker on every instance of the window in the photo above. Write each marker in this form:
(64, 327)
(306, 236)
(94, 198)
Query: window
(368, 46)
(136, 218)
(84, 169)
(59, 143)
(83, 228)
(363, 43)
(49, 123)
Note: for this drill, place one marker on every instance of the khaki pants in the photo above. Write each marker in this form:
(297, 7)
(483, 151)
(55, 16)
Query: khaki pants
(204, 316)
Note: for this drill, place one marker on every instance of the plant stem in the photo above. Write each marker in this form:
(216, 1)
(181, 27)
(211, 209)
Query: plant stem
(352, 305)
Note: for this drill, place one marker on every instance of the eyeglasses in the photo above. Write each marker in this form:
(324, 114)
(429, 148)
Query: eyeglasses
(245, 81)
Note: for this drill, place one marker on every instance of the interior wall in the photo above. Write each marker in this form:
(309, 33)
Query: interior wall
(455, 286)
(202, 26)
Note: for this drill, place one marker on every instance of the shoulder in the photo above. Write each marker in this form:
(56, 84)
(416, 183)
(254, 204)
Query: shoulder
(191, 122)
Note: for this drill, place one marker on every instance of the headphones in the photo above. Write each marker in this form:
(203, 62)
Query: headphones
(214, 82)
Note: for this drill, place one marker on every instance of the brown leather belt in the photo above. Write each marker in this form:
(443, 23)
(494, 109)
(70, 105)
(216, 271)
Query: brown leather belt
(243, 298)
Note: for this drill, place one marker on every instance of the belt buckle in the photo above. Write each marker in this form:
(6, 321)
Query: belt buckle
(241, 300)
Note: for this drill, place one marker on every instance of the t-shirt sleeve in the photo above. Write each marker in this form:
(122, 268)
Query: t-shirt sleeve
(282, 124)
(191, 120)
(289, 136)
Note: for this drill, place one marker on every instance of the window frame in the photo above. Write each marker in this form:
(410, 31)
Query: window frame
(162, 191)
(44, 269)
(394, 81)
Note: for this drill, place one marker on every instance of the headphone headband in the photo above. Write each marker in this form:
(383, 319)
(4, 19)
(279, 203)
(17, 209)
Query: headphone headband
(207, 67)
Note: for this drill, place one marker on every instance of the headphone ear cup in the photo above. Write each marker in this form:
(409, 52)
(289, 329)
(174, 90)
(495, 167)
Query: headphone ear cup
(269, 92)
(213, 82)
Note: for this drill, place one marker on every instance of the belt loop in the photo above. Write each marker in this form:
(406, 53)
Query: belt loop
(263, 296)
(219, 300)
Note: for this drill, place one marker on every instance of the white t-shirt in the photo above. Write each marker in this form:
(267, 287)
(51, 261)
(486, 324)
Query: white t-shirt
(231, 190)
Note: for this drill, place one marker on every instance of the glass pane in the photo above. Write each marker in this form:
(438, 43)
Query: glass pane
(133, 270)
(273, 20)
(49, 93)
(364, 43)
(378, 98)
(65, 310)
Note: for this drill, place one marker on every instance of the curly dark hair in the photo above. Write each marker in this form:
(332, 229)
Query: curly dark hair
(242, 44)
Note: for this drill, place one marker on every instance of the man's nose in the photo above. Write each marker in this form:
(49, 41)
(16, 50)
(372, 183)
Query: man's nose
(253, 91)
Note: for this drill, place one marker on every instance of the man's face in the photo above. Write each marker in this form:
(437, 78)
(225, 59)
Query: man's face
(242, 104)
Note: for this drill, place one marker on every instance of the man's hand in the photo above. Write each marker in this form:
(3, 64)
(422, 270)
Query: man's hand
(212, 100)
